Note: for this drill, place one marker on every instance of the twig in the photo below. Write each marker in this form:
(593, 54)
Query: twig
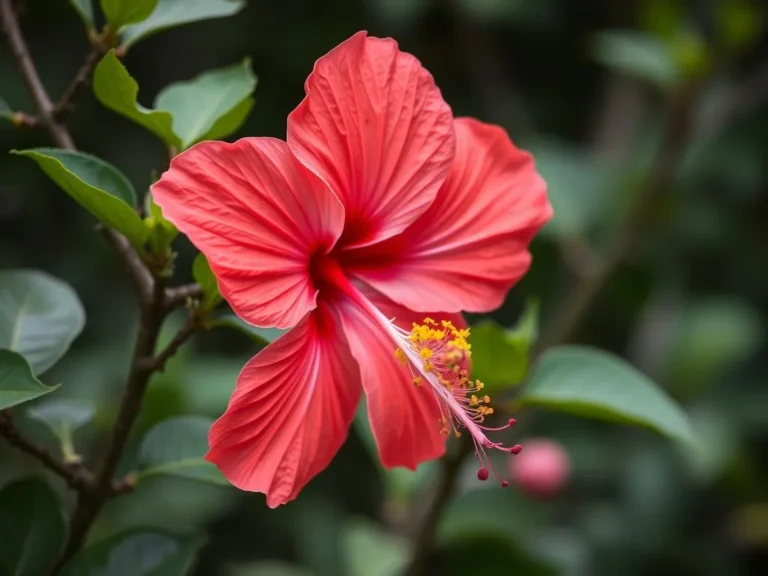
(178, 295)
(67, 101)
(450, 466)
(185, 332)
(76, 477)
(658, 181)
(20, 52)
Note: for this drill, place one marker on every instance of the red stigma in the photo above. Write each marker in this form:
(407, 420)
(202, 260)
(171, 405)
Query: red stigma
(504, 483)
(482, 474)
(516, 449)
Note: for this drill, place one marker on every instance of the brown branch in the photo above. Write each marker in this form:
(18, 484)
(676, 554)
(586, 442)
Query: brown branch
(76, 477)
(178, 295)
(185, 333)
(20, 52)
(658, 181)
(82, 78)
(152, 311)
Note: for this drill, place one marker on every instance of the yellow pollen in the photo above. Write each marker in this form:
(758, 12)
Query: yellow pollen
(417, 381)
(425, 353)
(400, 355)
(428, 366)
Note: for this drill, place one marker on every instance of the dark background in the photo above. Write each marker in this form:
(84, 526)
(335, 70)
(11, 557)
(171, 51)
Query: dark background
(688, 306)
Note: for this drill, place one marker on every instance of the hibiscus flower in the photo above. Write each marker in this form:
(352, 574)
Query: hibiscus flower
(367, 233)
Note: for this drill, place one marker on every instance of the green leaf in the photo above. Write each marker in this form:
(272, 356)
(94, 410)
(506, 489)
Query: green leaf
(170, 13)
(32, 529)
(17, 384)
(41, 316)
(641, 55)
(63, 416)
(118, 91)
(96, 185)
(203, 275)
(5, 111)
(176, 447)
(588, 382)
(84, 9)
(137, 553)
(485, 512)
(501, 358)
(372, 551)
(261, 336)
(211, 106)
(122, 12)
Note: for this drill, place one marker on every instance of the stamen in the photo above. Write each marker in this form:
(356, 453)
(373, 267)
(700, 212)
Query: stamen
(438, 354)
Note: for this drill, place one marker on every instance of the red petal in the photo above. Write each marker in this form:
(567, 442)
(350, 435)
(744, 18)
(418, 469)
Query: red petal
(291, 411)
(471, 246)
(375, 128)
(258, 215)
(405, 419)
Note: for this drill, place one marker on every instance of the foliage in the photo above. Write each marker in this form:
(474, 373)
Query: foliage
(657, 244)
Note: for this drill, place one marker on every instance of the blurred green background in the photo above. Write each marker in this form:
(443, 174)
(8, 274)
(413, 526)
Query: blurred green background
(584, 85)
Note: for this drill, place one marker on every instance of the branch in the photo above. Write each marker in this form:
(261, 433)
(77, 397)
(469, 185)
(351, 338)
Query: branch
(76, 477)
(178, 295)
(575, 309)
(67, 101)
(185, 333)
(20, 52)
(152, 311)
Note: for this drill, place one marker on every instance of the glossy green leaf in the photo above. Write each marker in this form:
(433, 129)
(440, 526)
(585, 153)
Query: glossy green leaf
(640, 55)
(118, 91)
(170, 13)
(588, 382)
(122, 12)
(96, 185)
(372, 551)
(40, 316)
(176, 447)
(63, 416)
(212, 105)
(32, 528)
(5, 111)
(137, 553)
(84, 9)
(501, 358)
(262, 336)
(204, 276)
(17, 384)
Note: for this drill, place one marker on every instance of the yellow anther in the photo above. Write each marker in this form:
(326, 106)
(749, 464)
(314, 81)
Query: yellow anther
(473, 400)
(400, 355)
(486, 398)
(428, 366)
(457, 433)
(444, 431)
(479, 385)
(429, 320)
(425, 353)
(417, 381)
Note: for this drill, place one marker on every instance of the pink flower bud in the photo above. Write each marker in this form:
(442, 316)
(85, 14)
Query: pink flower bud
(542, 469)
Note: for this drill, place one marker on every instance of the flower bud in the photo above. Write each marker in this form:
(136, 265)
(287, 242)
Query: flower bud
(542, 469)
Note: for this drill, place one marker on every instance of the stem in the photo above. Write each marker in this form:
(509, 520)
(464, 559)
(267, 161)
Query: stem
(153, 307)
(76, 477)
(82, 77)
(575, 309)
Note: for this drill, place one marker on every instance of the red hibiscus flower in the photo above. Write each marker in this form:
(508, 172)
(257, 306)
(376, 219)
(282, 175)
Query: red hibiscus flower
(366, 233)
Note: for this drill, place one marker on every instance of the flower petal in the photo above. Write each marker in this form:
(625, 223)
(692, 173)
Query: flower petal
(375, 128)
(291, 411)
(405, 419)
(259, 216)
(471, 246)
